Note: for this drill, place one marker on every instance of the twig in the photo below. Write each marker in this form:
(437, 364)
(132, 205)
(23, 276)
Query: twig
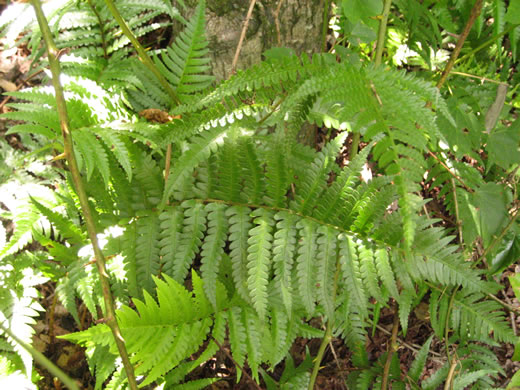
(487, 43)
(475, 12)
(257, 386)
(473, 76)
(277, 22)
(40, 357)
(451, 375)
(22, 83)
(167, 163)
(451, 173)
(412, 347)
(511, 313)
(82, 195)
(340, 369)
(505, 305)
(143, 55)
(242, 36)
(392, 347)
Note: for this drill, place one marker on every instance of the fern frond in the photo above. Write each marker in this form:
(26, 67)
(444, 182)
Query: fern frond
(417, 367)
(259, 258)
(474, 318)
(311, 187)
(200, 149)
(191, 238)
(284, 250)
(237, 338)
(213, 248)
(350, 264)
(160, 334)
(327, 269)
(147, 259)
(170, 234)
(305, 264)
(239, 227)
(277, 173)
(185, 63)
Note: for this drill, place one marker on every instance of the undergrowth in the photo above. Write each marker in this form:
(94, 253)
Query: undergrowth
(252, 239)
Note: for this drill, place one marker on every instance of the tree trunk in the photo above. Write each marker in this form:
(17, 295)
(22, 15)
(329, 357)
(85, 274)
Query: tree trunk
(300, 25)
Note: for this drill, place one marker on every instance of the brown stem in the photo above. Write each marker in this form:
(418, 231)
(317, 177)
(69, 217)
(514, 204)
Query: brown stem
(143, 55)
(475, 12)
(392, 347)
(246, 374)
(80, 189)
(451, 172)
(242, 36)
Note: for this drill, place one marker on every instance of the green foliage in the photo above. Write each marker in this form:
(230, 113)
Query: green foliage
(253, 237)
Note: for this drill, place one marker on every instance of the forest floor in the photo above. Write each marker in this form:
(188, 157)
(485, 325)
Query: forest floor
(336, 365)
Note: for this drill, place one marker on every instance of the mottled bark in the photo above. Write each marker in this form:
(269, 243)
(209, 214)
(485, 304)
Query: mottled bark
(300, 24)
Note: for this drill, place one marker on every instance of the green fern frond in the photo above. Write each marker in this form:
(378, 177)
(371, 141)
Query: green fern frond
(277, 173)
(159, 334)
(185, 63)
(259, 258)
(147, 259)
(284, 250)
(239, 227)
(417, 367)
(213, 248)
(474, 318)
(306, 265)
(311, 187)
(350, 264)
(237, 338)
(200, 149)
(327, 269)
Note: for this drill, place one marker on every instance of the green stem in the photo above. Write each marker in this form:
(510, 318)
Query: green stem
(328, 331)
(381, 34)
(82, 194)
(101, 29)
(143, 55)
(317, 362)
(392, 347)
(42, 360)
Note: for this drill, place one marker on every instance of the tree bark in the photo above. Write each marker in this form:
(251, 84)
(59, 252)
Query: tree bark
(300, 25)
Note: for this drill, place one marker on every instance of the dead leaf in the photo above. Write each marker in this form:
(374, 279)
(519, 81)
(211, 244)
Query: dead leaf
(8, 86)
(157, 116)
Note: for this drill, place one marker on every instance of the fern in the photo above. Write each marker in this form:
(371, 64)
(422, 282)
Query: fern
(281, 234)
